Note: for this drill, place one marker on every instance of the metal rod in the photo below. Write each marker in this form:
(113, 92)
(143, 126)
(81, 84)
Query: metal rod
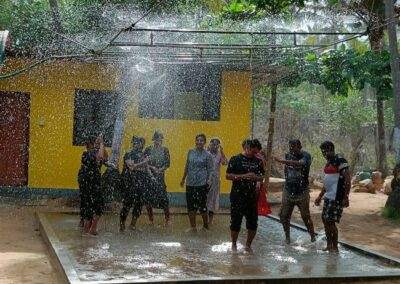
(209, 46)
(240, 32)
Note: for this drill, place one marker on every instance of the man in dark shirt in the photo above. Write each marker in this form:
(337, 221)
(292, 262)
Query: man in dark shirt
(244, 170)
(337, 183)
(296, 192)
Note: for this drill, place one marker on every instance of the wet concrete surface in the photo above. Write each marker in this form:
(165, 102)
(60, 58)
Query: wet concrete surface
(158, 253)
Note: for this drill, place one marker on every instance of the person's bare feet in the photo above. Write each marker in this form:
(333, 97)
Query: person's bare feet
(249, 250)
(191, 230)
(313, 238)
(234, 248)
(334, 250)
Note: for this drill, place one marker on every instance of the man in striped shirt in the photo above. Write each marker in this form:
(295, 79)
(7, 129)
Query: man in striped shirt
(337, 183)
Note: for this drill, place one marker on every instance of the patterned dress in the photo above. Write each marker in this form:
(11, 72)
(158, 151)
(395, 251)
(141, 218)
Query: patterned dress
(215, 186)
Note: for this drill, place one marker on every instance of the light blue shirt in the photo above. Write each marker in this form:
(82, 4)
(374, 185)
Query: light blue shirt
(199, 164)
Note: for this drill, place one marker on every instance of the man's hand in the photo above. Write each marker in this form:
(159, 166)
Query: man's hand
(345, 202)
(250, 176)
(318, 201)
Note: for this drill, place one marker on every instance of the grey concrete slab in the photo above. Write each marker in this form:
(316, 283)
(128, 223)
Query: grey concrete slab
(159, 254)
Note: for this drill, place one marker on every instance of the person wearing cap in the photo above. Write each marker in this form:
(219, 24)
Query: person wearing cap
(89, 180)
(159, 162)
(296, 190)
(134, 175)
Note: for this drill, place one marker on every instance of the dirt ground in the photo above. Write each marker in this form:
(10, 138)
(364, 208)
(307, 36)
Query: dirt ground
(24, 257)
(361, 223)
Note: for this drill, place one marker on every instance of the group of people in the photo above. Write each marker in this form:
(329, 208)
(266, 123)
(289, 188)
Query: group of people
(143, 185)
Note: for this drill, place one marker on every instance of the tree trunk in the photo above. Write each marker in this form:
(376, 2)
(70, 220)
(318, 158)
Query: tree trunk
(382, 166)
(55, 13)
(376, 39)
(355, 152)
(395, 68)
(271, 130)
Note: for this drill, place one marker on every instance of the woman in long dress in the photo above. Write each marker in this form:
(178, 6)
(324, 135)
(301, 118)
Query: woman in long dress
(219, 158)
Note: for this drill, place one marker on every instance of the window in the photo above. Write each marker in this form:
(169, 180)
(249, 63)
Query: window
(190, 92)
(94, 113)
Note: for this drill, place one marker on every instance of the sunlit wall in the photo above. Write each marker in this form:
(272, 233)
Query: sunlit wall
(54, 161)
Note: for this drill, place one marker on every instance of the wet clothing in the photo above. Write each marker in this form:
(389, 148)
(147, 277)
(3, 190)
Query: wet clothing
(196, 198)
(296, 177)
(302, 201)
(243, 194)
(264, 209)
(199, 164)
(332, 210)
(134, 183)
(334, 181)
(89, 180)
(334, 184)
(159, 158)
(215, 185)
(296, 191)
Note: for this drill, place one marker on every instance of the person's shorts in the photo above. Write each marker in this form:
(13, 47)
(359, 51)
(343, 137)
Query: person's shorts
(196, 198)
(302, 201)
(332, 210)
(243, 205)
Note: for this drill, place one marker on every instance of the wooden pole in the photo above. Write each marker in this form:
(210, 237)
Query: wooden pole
(271, 130)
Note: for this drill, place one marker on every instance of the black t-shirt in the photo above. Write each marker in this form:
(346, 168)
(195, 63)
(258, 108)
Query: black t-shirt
(240, 164)
(296, 177)
(89, 164)
(136, 157)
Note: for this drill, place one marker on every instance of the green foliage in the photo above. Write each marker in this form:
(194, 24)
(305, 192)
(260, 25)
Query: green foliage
(248, 8)
(391, 213)
(343, 69)
(26, 20)
(239, 9)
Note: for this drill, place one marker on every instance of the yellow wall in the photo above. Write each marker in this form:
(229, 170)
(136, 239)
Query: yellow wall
(54, 161)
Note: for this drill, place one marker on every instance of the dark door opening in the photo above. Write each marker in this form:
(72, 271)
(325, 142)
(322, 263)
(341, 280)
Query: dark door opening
(14, 138)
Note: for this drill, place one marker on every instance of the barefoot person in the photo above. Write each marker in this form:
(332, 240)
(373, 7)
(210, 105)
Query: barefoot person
(217, 153)
(336, 191)
(159, 162)
(89, 179)
(244, 170)
(296, 191)
(197, 175)
(134, 180)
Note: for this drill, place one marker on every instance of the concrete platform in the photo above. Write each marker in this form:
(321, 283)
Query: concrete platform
(159, 254)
